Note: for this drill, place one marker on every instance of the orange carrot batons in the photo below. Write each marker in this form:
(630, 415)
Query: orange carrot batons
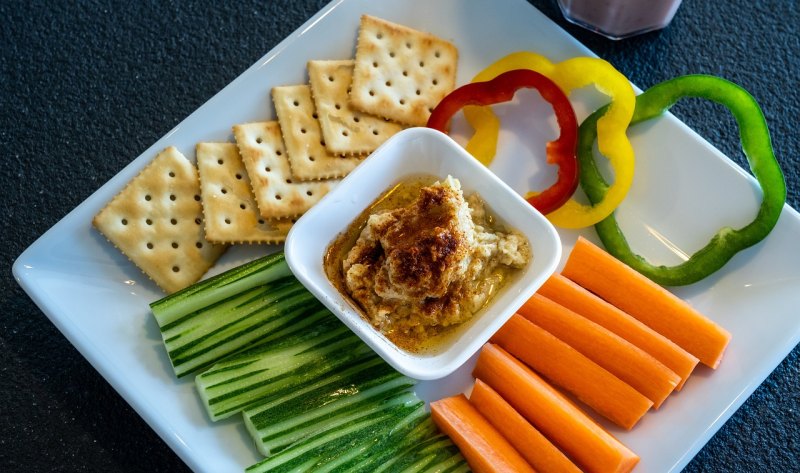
(567, 368)
(483, 446)
(570, 429)
(619, 284)
(529, 442)
(620, 357)
(577, 299)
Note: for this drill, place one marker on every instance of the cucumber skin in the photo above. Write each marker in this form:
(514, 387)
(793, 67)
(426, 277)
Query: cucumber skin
(329, 417)
(257, 272)
(254, 394)
(256, 416)
(184, 358)
(328, 451)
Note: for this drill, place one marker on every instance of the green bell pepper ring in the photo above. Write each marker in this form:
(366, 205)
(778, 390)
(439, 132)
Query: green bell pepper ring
(757, 148)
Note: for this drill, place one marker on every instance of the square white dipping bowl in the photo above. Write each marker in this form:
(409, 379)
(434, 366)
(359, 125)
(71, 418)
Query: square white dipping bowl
(410, 153)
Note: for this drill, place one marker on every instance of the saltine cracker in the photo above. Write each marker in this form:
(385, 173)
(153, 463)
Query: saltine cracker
(345, 130)
(401, 73)
(157, 222)
(231, 212)
(264, 156)
(309, 159)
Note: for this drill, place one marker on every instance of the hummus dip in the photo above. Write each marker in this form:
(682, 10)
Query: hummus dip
(424, 258)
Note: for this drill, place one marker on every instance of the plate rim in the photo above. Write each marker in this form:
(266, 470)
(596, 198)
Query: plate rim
(25, 278)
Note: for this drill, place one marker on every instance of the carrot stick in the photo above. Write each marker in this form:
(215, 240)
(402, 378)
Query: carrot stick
(572, 296)
(529, 442)
(483, 446)
(573, 432)
(623, 359)
(567, 368)
(619, 284)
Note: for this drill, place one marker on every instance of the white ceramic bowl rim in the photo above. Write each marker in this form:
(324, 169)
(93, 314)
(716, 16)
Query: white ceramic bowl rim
(412, 152)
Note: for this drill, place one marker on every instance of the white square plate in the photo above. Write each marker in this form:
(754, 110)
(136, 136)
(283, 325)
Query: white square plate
(100, 301)
(413, 152)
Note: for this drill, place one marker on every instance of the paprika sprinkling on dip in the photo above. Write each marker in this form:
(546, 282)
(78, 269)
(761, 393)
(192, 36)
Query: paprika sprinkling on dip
(424, 258)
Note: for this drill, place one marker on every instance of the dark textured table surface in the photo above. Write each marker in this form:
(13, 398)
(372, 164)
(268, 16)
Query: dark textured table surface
(87, 86)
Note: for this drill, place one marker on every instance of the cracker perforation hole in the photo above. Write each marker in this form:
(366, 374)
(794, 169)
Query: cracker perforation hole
(197, 198)
(379, 35)
(402, 101)
(172, 197)
(198, 221)
(224, 190)
(259, 140)
(309, 193)
(408, 45)
(278, 197)
(405, 73)
(311, 158)
(148, 221)
(375, 132)
(238, 176)
(173, 221)
(388, 83)
(437, 54)
(374, 63)
(124, 221)
(261, 221)
(296, 103)
(149, 246)
(147, 197)
(303, 131)
(345, 133)
(435, 82)
(199, 244)
(267, 169)
(279, 153)
(315, 116)
(175, 244)
(288, 181)
(422, 64)
(371, 93)
(242, 206)
(330, 78)
(418, 92)
(337, 106)
(356, 119)
(228, 221)
(171, 174)
(175, 269)
(391, 54)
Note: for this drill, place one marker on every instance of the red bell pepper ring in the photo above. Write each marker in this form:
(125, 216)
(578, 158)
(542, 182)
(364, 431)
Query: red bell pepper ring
(502, 88)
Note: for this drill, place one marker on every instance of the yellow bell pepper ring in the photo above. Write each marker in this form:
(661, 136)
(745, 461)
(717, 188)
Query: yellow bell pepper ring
(612, 141)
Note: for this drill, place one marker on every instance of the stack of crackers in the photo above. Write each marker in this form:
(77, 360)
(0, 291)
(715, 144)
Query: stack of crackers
(174, 220)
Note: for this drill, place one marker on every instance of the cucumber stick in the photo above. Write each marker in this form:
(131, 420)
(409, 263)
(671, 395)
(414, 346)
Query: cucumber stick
(212, 290)
(263, 373)
(196, 336)
(277, 423)
(376, 451)
(372, 447)
(351, 404)
(326, 446)
(428, 454)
